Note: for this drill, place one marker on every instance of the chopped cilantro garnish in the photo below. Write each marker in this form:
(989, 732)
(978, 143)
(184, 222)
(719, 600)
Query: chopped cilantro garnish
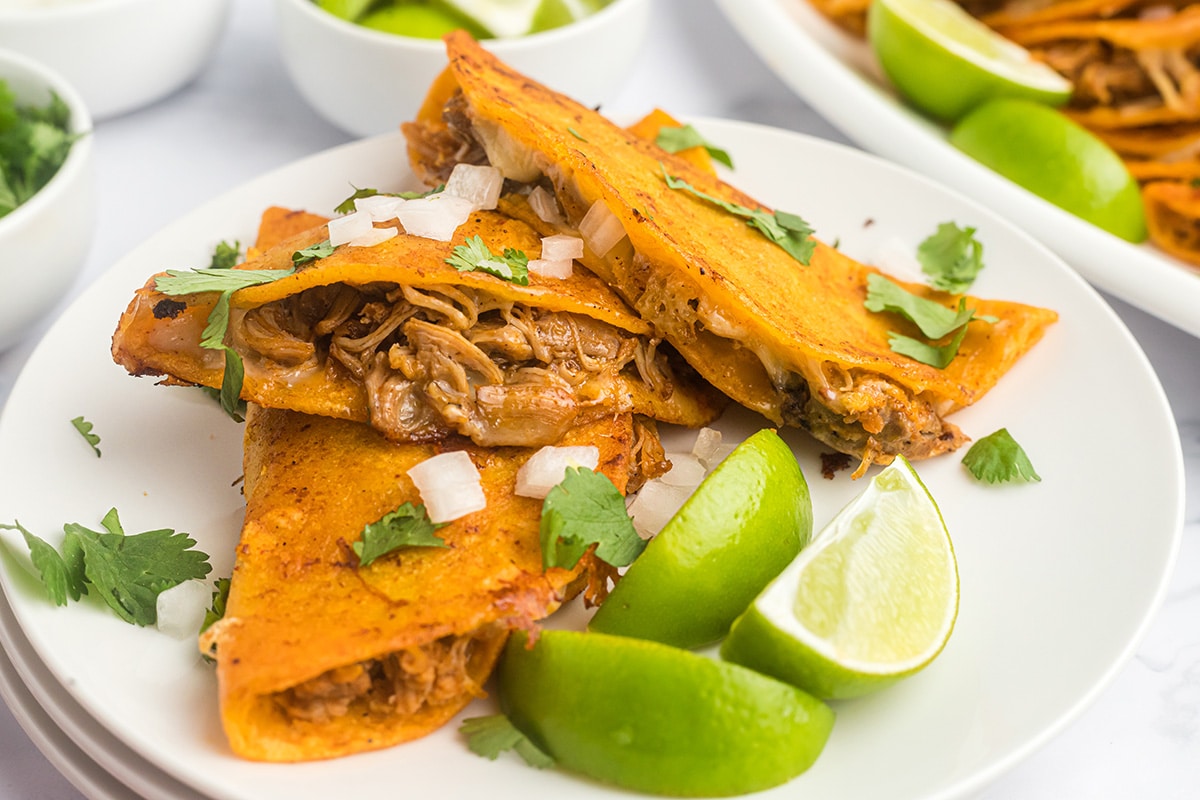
(220, 597)
(34, 143)
(85, 430)
(347, 206)
(683, 138)
(492, 735)
(952, 258)
(934, 320)
(474, 255)
(407, 526)
(997, 458)
(587, 509)
(312, 253)
(127, 572)
(225, 255)
(788, 231)
(576, 134)
(225, 281)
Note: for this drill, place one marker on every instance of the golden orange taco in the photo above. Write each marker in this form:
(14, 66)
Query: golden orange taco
(792, 341)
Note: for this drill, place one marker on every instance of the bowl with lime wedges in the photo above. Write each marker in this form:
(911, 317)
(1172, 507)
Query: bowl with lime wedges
(365, 65)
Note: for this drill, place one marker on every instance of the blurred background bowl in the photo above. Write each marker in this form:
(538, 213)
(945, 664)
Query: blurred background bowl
(119, 54)
(368, 82)
(46, 239)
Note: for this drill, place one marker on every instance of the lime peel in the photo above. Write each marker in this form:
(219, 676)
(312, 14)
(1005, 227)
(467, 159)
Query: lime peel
(874, 598)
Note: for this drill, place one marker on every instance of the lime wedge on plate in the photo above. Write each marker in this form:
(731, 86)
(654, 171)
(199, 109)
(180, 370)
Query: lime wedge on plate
(744, 523)
(658, 719)
(945, 62)
(871, 600)
(1057, 159)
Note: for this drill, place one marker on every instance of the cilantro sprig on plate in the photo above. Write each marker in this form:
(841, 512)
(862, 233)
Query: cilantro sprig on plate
(492, 735)
(997, 458)
(788, 231)
(952, 258)
(85, 430)
(127, 572)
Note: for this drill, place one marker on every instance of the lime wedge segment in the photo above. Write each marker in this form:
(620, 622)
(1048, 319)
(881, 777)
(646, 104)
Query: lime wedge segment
(945, 62)
(744, 523)
(654, 718)
(872, 599)
(1057, 159)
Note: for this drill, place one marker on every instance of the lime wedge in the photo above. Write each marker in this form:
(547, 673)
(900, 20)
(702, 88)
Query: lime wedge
(1057, 159)
(658, 719)
(744, 523)
(418, 21)
(350, 10)
(871, 600)
(945, 62)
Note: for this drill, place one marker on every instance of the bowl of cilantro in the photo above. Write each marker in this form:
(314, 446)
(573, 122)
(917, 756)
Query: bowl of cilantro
(47, 191)
(366, 65)
(121, 55)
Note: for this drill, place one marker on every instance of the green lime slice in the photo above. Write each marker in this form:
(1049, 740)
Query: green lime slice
(418, 21)
(945, 62)
(349, 10)
(744, 523)
(871, 600)
(1057, 159)
(657, 719)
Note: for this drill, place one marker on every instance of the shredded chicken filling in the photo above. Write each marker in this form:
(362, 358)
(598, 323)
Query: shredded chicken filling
(402, 682)
(445, 359)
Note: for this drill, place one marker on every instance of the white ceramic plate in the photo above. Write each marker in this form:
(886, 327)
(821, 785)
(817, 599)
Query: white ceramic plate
(1058, 578)
(838, 76)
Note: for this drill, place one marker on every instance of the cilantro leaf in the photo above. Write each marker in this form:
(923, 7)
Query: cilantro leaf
(407, 526)
(474, 255)
(997, 458)
(61, 579)
(492, 735)
(789, 231)
(85, 430)
(225, 255)
(129, 572)
(934, 320)
(586, 509)
(952, 258)
(686, 137)
(312, 253)
(220, 597)
(225, 281)
(347, 206)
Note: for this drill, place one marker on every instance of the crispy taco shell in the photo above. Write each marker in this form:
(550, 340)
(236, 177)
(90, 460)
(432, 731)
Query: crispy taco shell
(319, 657)
(395, 336)
(791, 341)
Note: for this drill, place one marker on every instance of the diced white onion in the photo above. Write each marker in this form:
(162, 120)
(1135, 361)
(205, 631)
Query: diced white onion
(374, 236)
(601, 229)
(897, 258)
(479, 184)
(545, 205)
(546, 468)
(552, 269)
(720, 454)
(380, 207)
(561, 246)
(707, 442)
(449, 486)
(435, 217)
(686, 470)
(344, 229)
(180, 609)
(655, 504)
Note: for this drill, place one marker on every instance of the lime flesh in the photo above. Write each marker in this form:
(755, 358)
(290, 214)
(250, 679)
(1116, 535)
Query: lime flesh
(873, 598)
(1057, 159)
(654, 718)
(744, 523)
(945, 62)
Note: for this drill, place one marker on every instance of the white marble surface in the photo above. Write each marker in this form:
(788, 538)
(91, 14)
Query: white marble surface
(1141, 738)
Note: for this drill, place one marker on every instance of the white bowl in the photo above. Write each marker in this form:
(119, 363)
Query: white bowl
(120, 54)
(367, 82)
(46, 239)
